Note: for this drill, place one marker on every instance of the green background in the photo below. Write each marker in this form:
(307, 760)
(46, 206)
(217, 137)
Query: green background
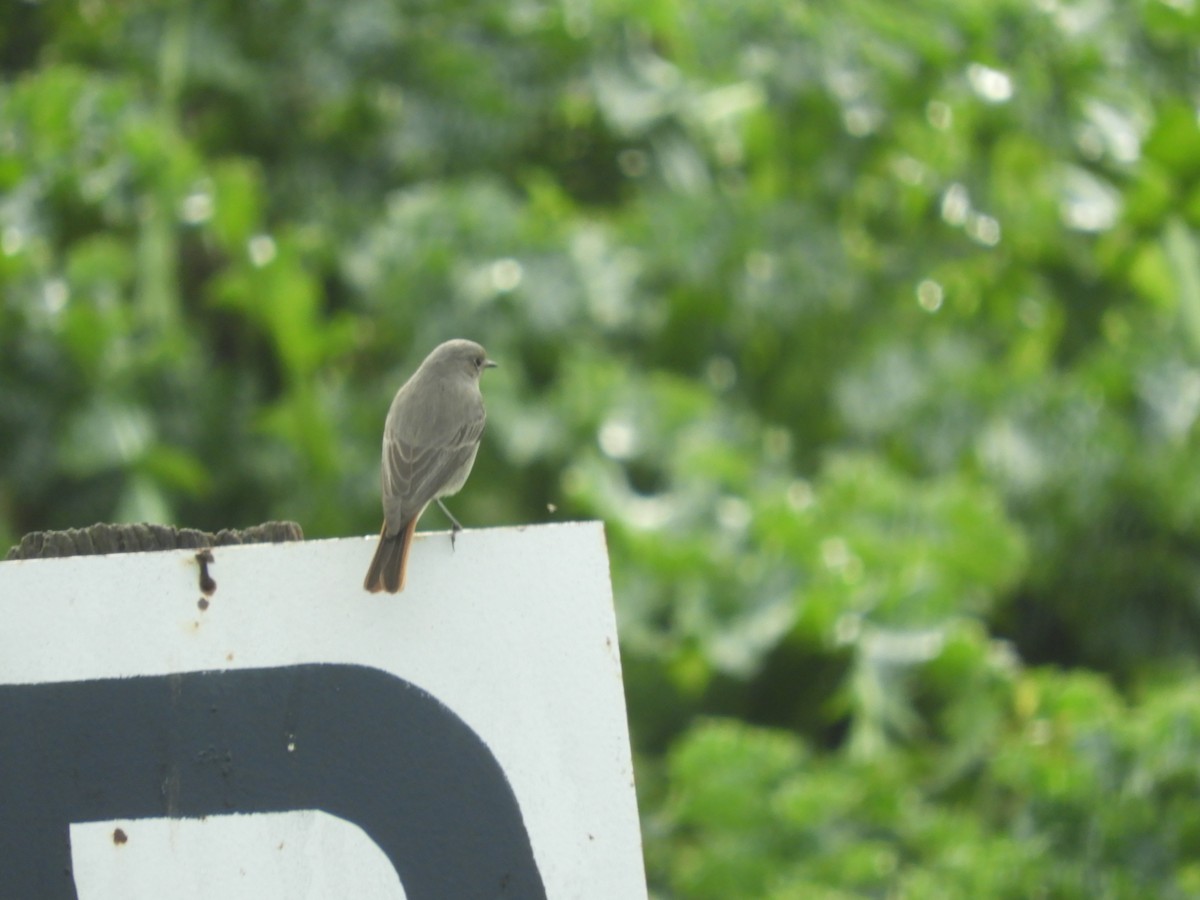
(871, 330)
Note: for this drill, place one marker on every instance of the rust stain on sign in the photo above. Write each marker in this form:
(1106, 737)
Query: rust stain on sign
(208, 586)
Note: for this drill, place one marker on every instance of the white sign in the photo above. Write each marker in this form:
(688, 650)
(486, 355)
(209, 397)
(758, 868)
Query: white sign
(291, 735)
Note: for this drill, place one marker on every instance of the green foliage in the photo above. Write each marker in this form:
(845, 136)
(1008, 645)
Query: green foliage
(872, 332)
(1068, 802)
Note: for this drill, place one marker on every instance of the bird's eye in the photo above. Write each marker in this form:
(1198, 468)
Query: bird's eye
(479, 362)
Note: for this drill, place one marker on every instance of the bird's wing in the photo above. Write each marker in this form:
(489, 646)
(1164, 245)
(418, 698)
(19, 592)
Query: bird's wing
(414, 474)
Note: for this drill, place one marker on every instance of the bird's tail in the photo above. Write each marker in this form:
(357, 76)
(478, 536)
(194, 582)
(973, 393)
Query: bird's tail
(389, 567)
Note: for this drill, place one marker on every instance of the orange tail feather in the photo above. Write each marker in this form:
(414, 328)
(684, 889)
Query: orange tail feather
(389, 566)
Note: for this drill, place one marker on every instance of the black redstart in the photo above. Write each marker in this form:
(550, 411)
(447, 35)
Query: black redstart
(429, 444)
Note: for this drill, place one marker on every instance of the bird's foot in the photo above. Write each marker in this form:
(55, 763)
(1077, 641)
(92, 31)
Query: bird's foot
(455, 525)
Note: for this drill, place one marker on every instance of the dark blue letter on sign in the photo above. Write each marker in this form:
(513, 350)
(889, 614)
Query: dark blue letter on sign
(351, 741)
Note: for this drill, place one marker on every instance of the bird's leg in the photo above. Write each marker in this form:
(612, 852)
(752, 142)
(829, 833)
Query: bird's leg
(455, 525)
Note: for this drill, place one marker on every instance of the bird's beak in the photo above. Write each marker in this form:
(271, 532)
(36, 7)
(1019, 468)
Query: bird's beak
(490, 364)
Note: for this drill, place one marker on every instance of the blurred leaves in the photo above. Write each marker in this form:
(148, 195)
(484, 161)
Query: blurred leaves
(870, 331)
(753, 815)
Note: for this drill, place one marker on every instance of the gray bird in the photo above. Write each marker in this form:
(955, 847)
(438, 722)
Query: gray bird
(429, 444)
